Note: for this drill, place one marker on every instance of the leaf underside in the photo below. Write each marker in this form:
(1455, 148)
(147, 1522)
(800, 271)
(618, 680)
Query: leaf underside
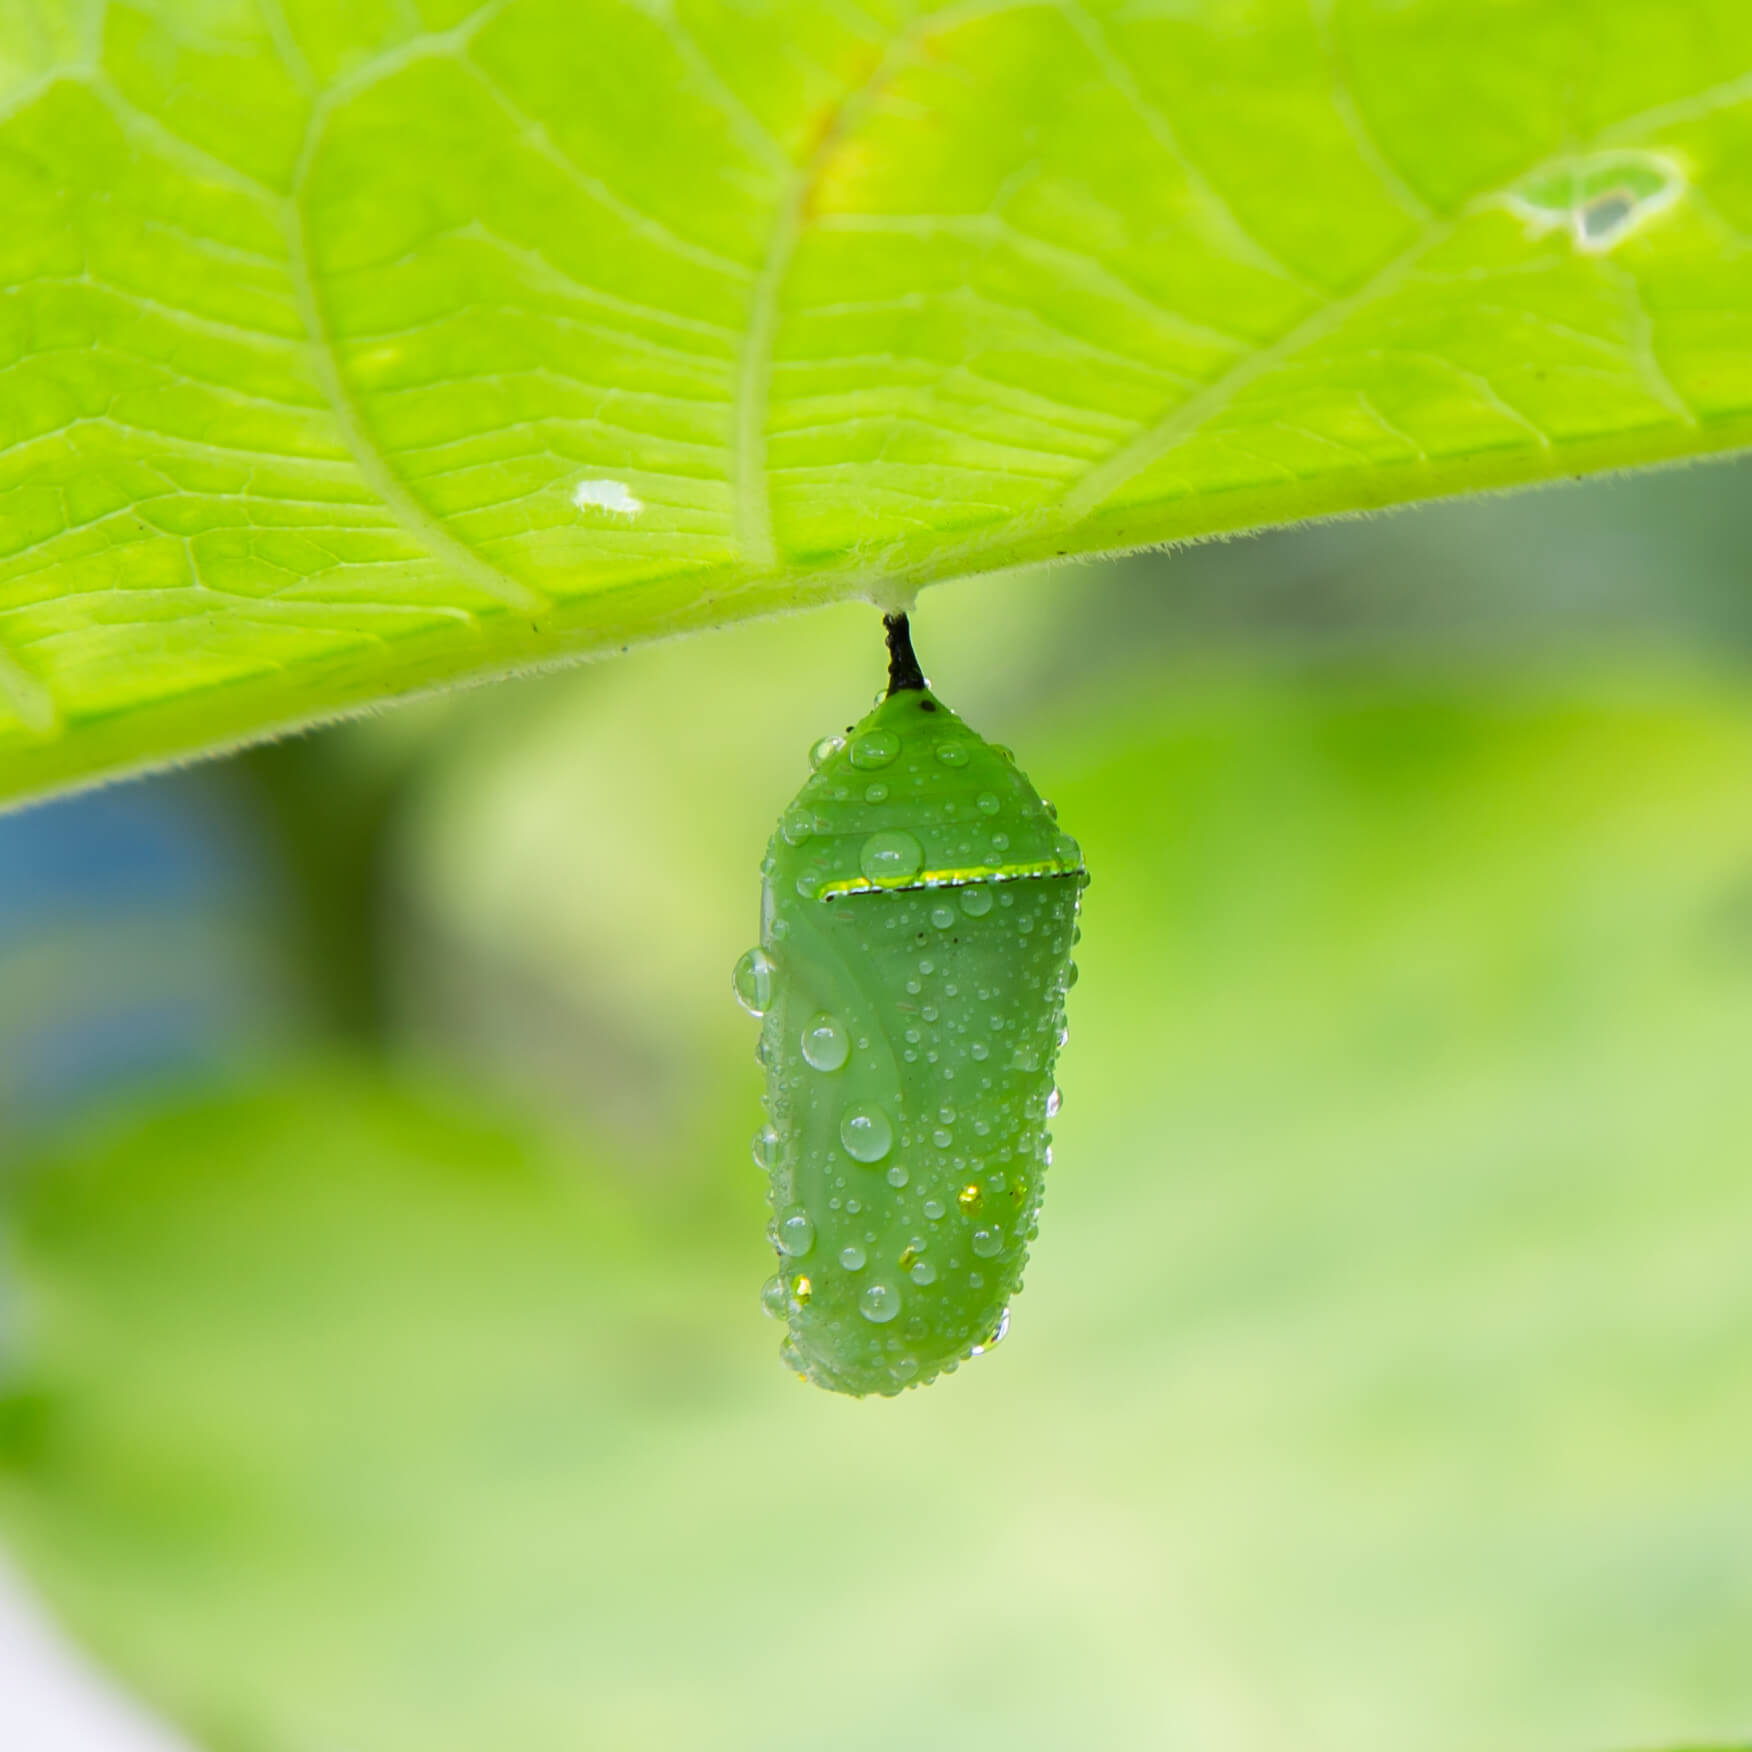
(356, 349)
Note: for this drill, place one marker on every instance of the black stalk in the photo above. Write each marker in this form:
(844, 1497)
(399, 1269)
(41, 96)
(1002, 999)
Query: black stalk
(904, 674)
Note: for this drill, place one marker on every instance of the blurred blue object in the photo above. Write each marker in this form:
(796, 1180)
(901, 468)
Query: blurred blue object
(137, 938)
(137, 845)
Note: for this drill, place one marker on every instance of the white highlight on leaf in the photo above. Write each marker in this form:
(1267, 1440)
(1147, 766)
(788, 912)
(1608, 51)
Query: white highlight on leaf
(615, 497)
(1599, 200)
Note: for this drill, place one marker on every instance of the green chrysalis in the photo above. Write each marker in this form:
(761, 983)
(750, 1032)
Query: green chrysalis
(917, 919)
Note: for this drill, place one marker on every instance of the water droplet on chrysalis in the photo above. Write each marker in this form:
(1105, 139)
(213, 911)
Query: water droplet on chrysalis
(826, 1045)
(890, 857)
(752, 980)
(796, 1232)
(876, 749)
(866, 1133)
(997, 1335)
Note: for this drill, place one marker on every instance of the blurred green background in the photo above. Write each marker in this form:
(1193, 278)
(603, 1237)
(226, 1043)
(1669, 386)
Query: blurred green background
(383, 1361)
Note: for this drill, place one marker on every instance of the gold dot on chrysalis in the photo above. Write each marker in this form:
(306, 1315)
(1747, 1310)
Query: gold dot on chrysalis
(969, 1197)
(908, 1255)
(802, 1290)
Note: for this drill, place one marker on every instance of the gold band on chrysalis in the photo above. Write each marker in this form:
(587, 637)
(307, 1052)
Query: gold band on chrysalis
(961, 878)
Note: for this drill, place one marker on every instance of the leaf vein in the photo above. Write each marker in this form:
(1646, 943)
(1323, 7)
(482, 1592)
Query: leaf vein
(373, 465)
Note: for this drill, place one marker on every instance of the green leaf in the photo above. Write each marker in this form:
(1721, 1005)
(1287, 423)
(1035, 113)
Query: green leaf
(351, 350)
